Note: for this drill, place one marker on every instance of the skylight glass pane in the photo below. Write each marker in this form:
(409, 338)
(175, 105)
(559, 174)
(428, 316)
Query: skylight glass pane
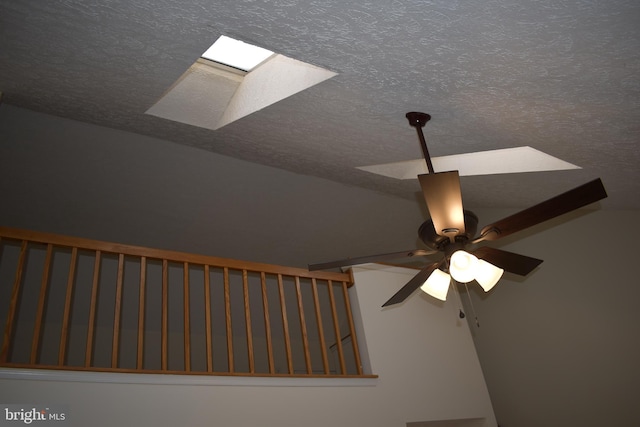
(235, 53)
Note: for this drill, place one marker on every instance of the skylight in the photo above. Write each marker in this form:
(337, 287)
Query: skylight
(231, 80)
(506, 160)
(236, 54)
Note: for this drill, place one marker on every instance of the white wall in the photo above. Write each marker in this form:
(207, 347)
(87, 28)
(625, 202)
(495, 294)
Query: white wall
(66, 177)
(421, 349)
(561, 347)
(422, 352)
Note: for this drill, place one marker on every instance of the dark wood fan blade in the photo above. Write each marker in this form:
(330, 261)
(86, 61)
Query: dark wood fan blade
(444, 201)
(508, 261)
(566, 202)
(413, 284)
(371, 258)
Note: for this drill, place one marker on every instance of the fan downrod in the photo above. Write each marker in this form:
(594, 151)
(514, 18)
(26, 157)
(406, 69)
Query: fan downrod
(418, 120)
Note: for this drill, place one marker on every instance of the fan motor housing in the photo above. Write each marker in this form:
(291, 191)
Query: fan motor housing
(428, 235)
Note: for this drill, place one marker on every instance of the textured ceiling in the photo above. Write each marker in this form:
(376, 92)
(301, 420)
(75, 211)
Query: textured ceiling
(561, 76)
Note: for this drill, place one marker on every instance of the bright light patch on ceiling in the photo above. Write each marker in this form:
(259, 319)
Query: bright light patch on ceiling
(508, 160)
(236, 54)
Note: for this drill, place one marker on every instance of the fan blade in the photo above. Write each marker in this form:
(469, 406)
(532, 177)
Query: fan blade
(413, 284)
(564, 203)
(508, 261)
(367, 259)
(444, 201)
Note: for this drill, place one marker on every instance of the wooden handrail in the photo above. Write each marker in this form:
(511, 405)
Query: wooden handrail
(97, 288)
(175, 256)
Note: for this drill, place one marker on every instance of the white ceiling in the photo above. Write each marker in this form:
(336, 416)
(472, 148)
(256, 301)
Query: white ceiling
(560, 76)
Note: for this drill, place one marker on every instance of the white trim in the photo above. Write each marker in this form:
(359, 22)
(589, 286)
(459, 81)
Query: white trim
(161, 379)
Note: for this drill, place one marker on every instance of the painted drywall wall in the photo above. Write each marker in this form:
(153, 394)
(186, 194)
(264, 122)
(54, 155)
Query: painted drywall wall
(561, 346)
(423, 353)
(77, 179)
(421, 349)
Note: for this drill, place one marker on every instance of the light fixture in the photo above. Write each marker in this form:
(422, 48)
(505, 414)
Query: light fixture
(236, 54)
(437, 285)
(462, 266)
(487, 274)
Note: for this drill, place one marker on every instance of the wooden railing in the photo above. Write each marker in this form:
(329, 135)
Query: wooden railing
(80, 304)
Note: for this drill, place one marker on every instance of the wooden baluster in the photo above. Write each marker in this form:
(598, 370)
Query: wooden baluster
(76, 245)
(303, 328)
(187, 328)
(285, 325)
(64, 333)
(141, 301)
(336, 329)
(165, 314)
(207, 318)
(352, 329)
(267, 322)
(9, 328)
(323, 344)
(35, 343)
(247, 321)
(92, 310)
(227, 311)
(115, 345)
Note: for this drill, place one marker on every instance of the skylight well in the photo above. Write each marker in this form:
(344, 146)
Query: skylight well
(236, 54)
(231, 80)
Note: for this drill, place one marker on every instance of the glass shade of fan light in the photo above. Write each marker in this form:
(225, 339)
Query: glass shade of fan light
(487, 274)
(465, 267)
(462, 266)
(437, 285)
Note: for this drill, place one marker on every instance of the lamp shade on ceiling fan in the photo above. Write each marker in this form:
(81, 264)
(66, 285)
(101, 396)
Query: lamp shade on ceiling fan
(437, 285)
(462, 266)
(487, 274)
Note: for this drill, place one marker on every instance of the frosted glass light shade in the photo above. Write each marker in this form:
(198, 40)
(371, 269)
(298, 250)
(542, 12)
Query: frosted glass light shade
(487, 274)
(437, 285)
(462, 266)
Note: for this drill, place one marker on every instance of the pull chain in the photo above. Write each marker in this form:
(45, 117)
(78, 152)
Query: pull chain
(455, 288)
(472, 307)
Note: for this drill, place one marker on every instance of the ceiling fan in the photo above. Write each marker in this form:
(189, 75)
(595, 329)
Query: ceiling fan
(451, 229)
